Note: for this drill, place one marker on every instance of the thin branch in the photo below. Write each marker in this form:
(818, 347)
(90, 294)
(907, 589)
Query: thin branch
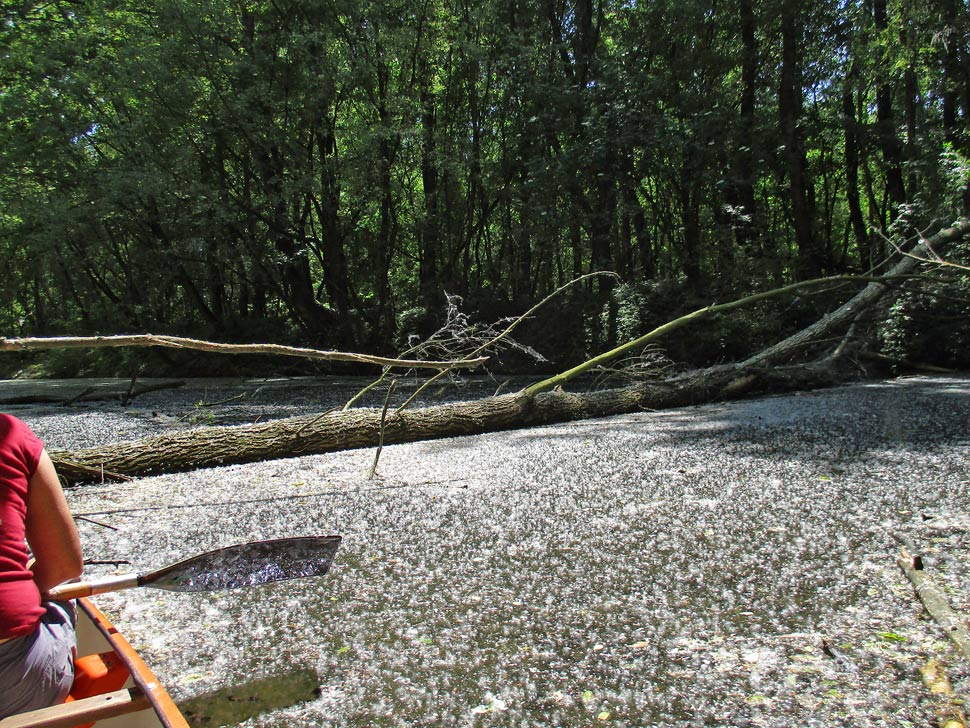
(387, 370)
(651, 363)
(933, 258)
(234, 398)
(380, 442)
(176, 342)
(96, 523)
(126, 398)
(80, 395)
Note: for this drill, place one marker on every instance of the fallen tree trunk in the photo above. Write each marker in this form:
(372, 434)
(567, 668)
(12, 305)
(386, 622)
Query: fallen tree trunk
(342, 430)
(862, 301)
(542, 403)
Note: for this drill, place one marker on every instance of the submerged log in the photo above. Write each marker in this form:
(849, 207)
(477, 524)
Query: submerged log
(953, 624)
(343, 430)
(70, 393)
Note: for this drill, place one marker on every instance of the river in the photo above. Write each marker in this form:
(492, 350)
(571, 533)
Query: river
(730, 564)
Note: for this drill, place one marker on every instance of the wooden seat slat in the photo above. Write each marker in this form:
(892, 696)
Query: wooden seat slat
(67, 715)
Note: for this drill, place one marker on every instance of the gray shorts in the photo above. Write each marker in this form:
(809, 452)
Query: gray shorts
(37, 670)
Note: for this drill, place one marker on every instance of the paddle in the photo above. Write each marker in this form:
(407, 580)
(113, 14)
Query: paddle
(248, 564)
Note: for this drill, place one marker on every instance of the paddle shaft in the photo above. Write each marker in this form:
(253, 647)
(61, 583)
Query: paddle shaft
(78, 589)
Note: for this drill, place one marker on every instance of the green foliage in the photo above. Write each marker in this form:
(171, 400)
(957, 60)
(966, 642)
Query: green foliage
(630, 304)
(322, 172)
(955, 169)
(929, 325)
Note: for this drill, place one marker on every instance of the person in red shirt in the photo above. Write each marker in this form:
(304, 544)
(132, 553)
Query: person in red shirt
(37, 640)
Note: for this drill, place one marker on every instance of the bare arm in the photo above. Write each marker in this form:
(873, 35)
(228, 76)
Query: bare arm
(51, 532)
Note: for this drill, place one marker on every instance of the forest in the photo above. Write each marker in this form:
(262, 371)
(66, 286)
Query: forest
(344, 173)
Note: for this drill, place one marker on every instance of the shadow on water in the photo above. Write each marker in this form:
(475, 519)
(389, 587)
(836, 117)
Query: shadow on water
(239, 703)
(824, 421)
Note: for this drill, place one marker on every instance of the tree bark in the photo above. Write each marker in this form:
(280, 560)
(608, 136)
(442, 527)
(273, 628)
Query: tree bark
(177, 342)
(344, 430)
(742, 189)
(336, 274)
(891, 147)
(852, 142)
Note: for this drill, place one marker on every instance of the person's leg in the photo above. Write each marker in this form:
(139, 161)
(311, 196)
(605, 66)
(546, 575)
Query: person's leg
(37, 670)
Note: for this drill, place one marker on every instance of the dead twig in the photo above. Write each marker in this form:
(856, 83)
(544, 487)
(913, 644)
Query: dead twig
(932, 257)
(227, 400)
(380, 441)
(507, 332)
(96, 523)
(651, 363)
(935, 601)
(77, 397)
(459, 334)
(949, 712)
(127, 397)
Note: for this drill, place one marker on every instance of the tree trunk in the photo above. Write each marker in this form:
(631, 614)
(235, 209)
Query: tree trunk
(746, 225)
(852, 175)
(811, 261)
(430, 293)
(955, 84)
(388, 145)
(891, 147)
(601, 229)
(336, 275)
(691, 219)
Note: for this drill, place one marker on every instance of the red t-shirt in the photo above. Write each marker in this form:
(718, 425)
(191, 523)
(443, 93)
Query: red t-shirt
(20, 451)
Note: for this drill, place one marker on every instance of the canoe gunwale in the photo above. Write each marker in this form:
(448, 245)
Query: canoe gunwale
(143, 677)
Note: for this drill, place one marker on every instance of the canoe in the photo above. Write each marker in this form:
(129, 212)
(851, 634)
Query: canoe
(113, 687)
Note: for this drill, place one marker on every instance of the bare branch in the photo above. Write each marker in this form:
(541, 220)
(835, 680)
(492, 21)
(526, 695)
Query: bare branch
(932, 257)
(507, 332)
(176, 342)
(380, 441)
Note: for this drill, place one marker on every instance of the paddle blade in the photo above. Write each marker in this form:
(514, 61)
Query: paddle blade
(248, 564)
